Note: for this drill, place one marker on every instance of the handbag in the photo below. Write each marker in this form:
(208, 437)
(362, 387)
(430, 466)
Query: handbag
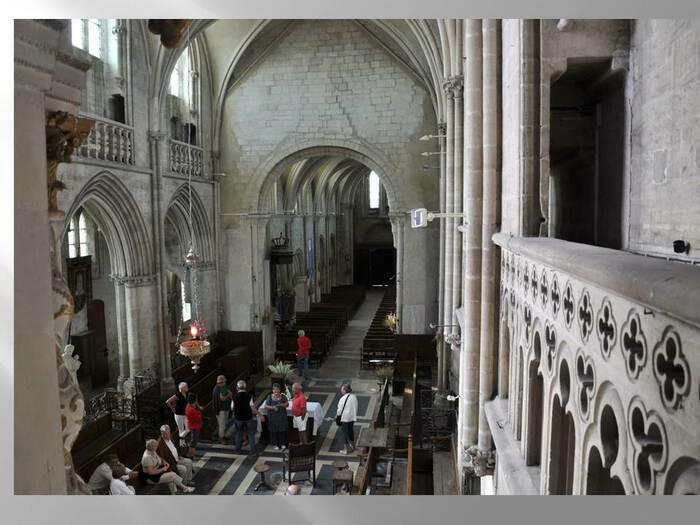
(337, 418)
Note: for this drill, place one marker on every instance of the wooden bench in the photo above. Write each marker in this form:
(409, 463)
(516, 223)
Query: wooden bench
(127, 445)
(445, 468)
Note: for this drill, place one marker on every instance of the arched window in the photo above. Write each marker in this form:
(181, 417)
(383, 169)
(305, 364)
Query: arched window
(373, 191)
(104, 92)
(182, 110)
(78, 236)
(186, 306)
(180, 79)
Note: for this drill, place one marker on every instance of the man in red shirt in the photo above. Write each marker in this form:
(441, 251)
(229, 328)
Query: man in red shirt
(299, 415)
(303, 353)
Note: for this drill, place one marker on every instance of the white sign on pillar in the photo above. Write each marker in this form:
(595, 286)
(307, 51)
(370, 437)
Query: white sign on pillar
(419, 218)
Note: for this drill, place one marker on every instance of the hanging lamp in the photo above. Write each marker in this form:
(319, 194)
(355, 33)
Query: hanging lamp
(198, 345)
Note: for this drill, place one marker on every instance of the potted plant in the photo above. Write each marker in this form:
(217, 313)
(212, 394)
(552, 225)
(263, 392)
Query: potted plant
(281, 373)
(392, 322)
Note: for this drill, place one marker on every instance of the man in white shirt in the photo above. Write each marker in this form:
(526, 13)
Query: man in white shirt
(168, 451)
(347, 413)
(102, 477)
(117, 487)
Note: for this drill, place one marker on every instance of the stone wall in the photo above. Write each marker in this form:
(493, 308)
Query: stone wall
(665, 142)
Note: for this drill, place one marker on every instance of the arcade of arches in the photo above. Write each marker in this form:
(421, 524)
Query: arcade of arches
(545, 328)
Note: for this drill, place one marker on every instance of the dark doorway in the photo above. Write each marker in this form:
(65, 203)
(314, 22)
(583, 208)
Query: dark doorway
(375, 265)
(587, 153)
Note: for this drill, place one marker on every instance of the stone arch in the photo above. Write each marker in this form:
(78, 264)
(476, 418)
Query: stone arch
(109, 202)
(608, 436)
(535, 400)
(272, 168)
(178, 215)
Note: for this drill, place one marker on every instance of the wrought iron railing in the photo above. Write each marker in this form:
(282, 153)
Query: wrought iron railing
(185, 159)
(121, 407)
(109, 140)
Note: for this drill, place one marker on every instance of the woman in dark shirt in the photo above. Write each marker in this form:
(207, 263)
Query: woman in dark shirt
(277, 404)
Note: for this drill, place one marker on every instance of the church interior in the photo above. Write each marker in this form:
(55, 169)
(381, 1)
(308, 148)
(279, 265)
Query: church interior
(488, 230)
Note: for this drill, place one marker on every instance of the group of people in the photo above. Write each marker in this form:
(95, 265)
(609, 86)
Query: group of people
(164, 463)
(161, 463)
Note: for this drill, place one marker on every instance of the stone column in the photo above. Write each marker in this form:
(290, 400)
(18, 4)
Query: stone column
(397, 226)
(122, 334)
(48, 81)
(441, 347)
(531, 212)
(449, 307)
(473, 175)
(489, 260)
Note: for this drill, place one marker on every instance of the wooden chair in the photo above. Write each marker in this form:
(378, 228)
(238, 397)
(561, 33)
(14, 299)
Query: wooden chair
(300, 458)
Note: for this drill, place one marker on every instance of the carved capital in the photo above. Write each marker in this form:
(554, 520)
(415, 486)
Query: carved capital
(453, 86)
(64, 133)
(481, 461)
(173, 32)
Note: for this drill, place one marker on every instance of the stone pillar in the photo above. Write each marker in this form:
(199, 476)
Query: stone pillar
(122, 334)
(473, 174)
(47, 130)
(530, 127)
(449, 307)
(442, 380)
(489, 260)
(397, 226)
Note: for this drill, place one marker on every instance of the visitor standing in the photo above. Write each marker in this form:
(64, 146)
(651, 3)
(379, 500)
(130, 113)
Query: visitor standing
(276, 404)
(244, 409)
(193, 413)
(303, 354)
(177, 404)
(346, 417)
(221, 401)
(299, 414)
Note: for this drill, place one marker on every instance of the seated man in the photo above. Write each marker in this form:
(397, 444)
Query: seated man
(102, 477)
(117, 486)
(168, 451)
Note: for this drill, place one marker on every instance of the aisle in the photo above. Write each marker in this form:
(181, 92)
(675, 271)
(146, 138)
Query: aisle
(221, 471)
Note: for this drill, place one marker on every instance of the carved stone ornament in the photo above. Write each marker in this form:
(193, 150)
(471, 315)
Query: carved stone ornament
(481, 461)
(634, 345)
(606, 328)
(671, 370)
(650, 446)
(585, 376)
(584, 313)
(173, 32)
(64, 133)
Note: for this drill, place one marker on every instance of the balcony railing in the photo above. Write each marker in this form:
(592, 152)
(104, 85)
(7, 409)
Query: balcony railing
(110, 141)
(613, 338)
(185, 159)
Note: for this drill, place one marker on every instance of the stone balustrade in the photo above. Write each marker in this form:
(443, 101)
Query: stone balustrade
(110, 141)
(604, 366)
(185, 159)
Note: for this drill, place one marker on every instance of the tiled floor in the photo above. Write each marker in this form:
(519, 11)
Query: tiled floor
(221, 471)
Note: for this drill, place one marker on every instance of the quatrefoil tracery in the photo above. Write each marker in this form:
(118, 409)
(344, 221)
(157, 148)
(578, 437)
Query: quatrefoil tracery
(533, 281)
(634, 345)
(544, 289)
(671, 370)
(568, 305)
(550, 340)
(585, 316)
(606, 328)
(650, 446)
(585, 374)
(556, 297)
